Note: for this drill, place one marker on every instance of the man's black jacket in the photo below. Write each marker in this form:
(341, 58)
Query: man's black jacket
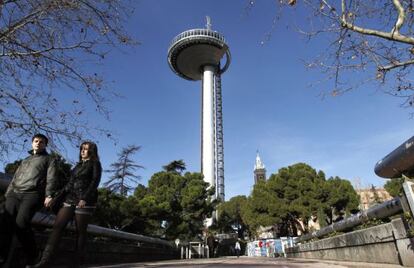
(36, 173)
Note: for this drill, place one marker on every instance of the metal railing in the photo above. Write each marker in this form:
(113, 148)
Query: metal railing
(381, 211)
(46, 220)
(200, 33)
(394, 165)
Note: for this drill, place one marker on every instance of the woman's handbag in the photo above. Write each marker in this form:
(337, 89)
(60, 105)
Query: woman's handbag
(57, 202)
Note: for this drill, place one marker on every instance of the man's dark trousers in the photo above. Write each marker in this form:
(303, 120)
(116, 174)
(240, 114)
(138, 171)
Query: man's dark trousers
(22, 207)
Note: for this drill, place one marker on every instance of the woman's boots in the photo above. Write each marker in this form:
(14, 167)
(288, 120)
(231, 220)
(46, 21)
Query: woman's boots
(46, 258)
(77, 259)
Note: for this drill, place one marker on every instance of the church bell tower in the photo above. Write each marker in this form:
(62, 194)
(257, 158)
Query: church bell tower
(259, 170)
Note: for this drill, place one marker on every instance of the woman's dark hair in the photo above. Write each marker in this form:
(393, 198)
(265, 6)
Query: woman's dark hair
(93, 151)
(41, 136)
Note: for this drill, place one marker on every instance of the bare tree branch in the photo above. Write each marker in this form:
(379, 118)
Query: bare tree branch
(45, 83)
(396, 65)
(401, 17)
(394, 35)
(373, 39)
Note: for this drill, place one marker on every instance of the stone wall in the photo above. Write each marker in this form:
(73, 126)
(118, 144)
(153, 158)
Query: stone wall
(101, 252)
(386, 243)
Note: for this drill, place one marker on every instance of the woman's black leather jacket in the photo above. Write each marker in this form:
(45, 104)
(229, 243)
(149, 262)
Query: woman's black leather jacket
(83, 183)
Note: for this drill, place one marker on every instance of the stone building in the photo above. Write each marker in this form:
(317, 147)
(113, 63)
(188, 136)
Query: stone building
(367, 196)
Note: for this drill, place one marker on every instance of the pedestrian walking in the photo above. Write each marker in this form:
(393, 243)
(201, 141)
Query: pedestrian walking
(237, 248)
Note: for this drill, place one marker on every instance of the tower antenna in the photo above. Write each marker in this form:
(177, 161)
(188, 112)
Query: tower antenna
(208, 24)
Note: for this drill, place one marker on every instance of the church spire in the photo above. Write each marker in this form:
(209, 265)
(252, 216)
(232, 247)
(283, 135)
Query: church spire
(259, 169)
(259, 164)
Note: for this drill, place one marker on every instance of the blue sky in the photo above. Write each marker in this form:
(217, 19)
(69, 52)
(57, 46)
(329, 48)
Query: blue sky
(267, 103)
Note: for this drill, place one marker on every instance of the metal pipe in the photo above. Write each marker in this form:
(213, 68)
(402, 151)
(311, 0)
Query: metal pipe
(380, 211)
(398, 162)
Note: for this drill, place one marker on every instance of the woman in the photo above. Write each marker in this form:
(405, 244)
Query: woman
(80, 202)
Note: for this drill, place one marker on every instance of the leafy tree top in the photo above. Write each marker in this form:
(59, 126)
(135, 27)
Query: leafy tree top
(175, 166)
(295, 195)
(394, 187)
(177, 203)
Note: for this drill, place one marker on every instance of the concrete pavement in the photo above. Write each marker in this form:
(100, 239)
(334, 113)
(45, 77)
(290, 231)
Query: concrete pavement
(246, 262)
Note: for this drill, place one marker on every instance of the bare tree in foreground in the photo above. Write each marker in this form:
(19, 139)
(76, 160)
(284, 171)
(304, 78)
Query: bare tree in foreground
(369, 41)
(46, 84)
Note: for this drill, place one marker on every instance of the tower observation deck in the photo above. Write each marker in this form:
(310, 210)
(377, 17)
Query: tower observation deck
(196, 55)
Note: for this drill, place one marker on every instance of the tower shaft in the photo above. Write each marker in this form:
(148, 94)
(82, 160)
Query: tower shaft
(212, 151)
(208, 139)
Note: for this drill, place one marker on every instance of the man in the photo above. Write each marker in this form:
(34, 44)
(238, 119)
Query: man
(237, 248)
(33, 184)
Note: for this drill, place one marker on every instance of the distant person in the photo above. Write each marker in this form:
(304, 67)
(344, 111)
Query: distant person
(80, 202)
(237, 248)
(33, 183)
(210, 243)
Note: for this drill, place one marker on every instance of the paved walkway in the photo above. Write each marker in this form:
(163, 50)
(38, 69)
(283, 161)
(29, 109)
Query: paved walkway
(246, 262)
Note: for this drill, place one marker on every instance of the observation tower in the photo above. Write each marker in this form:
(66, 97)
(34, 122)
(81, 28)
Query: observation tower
(195, 55)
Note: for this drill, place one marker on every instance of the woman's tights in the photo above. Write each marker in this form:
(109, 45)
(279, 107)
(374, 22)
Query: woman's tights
(63, 217)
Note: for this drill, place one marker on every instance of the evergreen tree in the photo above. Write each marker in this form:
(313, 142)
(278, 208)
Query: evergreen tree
(175, 166)
(394, 187)
(176, 205)
(108, 212)
(294, 196)
(264, 208)
(341, 200)
(63, 170)
(230, 216)
(123, 171)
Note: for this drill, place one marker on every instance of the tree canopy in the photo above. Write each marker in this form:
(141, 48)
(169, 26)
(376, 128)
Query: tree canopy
(178, 204)
(294, 196)
(394, 187)
(175, 166)
(173, 205)
(340, 200)
(230, 216)
(108, 210)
